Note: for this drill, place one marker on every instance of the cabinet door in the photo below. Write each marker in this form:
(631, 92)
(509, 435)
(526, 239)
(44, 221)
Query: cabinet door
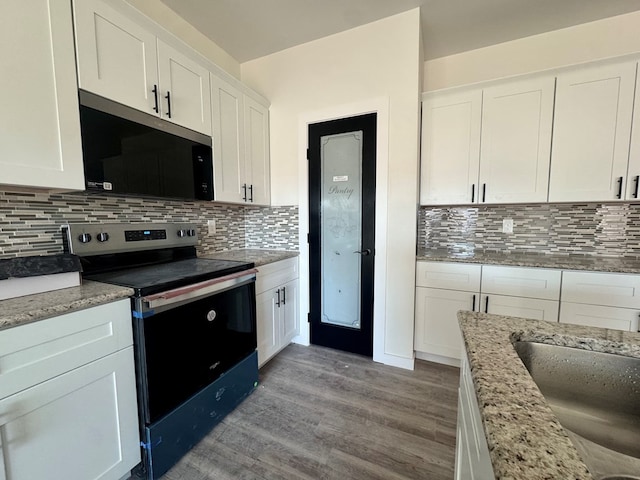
(268, 325)
(591, 133)
(516, 141)
(81, 425)
(40, 123)
(256, 135)
(521, 307)
(117, 58)
(184, 90)
(436, 324)
(450, 151)
(228, 142)
(599, 316)
(289, 312)
(633, 174)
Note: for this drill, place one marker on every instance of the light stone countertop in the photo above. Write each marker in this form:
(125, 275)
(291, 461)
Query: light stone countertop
(256, 256)
(533, 259)
(31, 308)
(525, 439)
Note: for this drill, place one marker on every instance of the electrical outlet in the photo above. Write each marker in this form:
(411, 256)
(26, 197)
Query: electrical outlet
(507, 225)
(211, 225)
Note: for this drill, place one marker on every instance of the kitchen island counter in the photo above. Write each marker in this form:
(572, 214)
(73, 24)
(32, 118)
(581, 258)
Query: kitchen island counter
(524, 437)
(31, 308)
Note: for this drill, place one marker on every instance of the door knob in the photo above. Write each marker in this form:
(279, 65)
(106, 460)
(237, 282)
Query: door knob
(363, 252)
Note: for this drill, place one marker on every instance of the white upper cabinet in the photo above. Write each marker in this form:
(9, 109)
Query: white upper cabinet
(228, 141)
(40, 123)
(633, 173)
(185, 93)
(117, 58)
(256, 136)
(516, 141)
(592, 132)
(120, 59)
(240, 146)
(450, 148)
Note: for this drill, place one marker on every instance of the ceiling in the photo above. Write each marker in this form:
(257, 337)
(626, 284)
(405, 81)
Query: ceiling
(248, 29)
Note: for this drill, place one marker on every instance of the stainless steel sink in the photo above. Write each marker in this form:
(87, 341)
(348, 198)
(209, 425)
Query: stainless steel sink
(596, 397)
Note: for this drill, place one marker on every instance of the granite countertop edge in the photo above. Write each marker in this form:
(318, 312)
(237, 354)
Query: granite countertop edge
(40, 306)
(539, 260)
(258, 257)
(525, 439)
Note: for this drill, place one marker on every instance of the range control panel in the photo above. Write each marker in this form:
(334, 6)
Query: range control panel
(86, 239)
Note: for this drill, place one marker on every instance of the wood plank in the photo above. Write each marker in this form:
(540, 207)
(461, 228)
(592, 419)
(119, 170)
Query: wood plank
(324, 414)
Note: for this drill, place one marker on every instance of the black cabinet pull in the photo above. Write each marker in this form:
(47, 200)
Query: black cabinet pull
(619, 195)
(251, 193)
(484, 191)
(635, 190)
(473, 304)
(168, 97)
(473, 192)
(278, 301)
(155, 98)
(244, 188)
(284, 295)
(486, 304)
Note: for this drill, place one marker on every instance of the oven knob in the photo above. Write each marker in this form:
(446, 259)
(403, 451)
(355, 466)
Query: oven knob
(191, 232)
(84, 237)
(103, 237)
(182, 233)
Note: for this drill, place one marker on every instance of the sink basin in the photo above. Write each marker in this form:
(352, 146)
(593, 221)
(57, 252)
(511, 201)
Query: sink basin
(596, 398)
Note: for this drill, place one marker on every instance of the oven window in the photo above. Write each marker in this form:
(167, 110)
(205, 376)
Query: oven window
(190, 346)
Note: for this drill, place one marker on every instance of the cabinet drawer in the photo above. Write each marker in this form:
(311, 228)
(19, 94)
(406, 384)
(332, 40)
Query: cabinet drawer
(32, 353)
(600, 316)
(274, 274)
(449, 276)
(613, 289)
(521, 282)
(521, 307)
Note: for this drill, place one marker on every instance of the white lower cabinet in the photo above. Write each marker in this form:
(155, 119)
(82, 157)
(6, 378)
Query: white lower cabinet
(473, 461)
(79, 420)
(607, 300)
(443, 289)
(276, 307)
(437, 331)
(81, 425)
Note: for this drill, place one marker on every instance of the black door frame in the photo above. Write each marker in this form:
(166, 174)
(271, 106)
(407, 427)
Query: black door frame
(335, 336)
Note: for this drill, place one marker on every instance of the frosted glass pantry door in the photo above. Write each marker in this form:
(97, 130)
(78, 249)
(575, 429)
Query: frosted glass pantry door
(341, 227)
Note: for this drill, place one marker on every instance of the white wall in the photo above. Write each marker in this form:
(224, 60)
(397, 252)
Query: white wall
(372, 67)
(186, 32)
(605, 38)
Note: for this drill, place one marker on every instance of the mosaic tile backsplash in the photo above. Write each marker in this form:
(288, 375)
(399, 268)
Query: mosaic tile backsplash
(607, 230)
(30, 221)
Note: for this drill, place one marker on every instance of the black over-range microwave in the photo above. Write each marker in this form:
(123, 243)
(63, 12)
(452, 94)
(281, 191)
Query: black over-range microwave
(128, 152)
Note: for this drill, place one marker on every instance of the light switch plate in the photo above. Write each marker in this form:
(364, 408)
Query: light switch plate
(211, 225)
(507, 225)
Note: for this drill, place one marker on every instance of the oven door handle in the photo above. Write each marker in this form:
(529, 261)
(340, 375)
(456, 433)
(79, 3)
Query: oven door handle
(201, 289)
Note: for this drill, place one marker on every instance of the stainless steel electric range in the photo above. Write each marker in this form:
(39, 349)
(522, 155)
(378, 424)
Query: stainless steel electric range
(194, 324)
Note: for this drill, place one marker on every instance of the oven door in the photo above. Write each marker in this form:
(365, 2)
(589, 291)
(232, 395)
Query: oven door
(188, 337)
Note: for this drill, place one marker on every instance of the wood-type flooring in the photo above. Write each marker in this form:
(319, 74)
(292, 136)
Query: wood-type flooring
(324, 414)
